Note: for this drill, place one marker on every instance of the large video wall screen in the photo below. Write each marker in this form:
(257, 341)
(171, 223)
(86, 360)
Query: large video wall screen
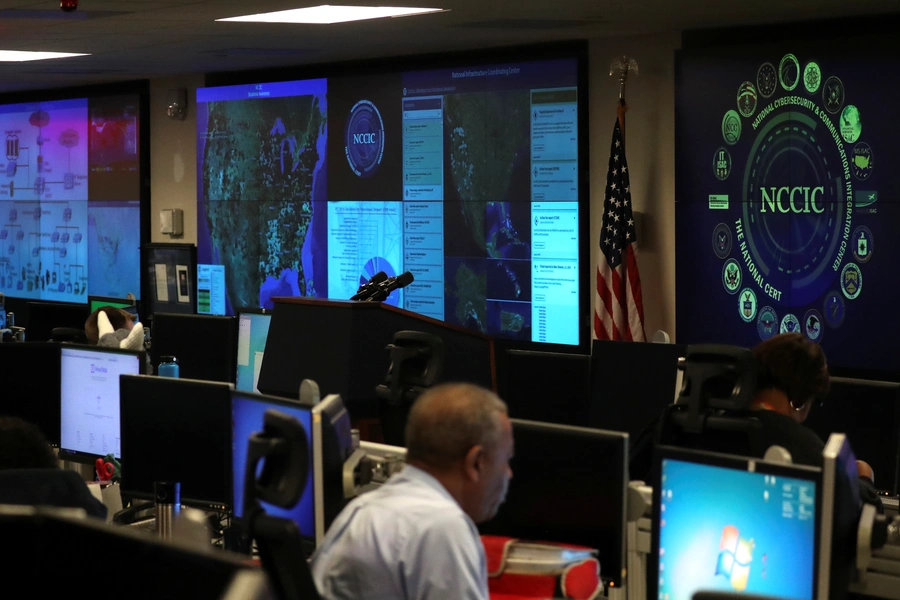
(70, 199)
(466, 177)
(785, 200)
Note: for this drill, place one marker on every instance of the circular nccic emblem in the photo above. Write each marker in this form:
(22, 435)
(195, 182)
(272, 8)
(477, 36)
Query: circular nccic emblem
(812, 77)
(834, 310)
(747, 305)
(851, 125)
(833, 94)
(767, 323)
(863, 161)
(789, 324)
(863, 244)
(766, 79)
(851, 281)
(789, 72)
(812, 326)
(722, 240)
(731, 127)
(722, 164)
(731, 276)
(364, 139)
(746, 99)
(792, 222)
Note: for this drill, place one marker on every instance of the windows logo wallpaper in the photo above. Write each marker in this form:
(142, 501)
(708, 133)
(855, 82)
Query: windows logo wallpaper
(730, 530)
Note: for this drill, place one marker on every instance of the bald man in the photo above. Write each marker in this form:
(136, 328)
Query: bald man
(415, 536)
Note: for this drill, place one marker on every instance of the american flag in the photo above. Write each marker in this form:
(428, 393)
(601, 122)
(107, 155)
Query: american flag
(618, 308)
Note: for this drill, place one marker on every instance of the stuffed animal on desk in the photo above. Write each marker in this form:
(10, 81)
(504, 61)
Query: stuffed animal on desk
(122, 338)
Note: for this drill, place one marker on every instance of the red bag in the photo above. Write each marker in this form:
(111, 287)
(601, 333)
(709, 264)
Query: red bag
(520, 569)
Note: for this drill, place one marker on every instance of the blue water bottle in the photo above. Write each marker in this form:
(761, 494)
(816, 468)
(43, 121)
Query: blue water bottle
(168, 366)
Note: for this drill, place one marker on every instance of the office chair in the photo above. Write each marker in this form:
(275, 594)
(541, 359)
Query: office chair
(417, 361)
(283, 448)
(718, 384)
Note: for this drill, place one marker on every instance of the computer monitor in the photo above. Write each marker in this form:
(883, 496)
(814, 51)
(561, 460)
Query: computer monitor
(253, 329)
(135, 563)
(177, 430)
(569, 486)
(89, 399)
(44, 317)
(30, 387)
(129, 306)
(332, 445)
(631, 383)
(211, 295)
(248, 411)
(732, 524)
(874, 432)
(203, 344)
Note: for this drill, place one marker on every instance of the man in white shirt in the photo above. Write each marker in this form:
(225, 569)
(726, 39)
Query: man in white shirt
(414, 538)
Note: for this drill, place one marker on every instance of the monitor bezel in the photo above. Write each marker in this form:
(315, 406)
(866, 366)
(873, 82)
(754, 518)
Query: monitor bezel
(185, 501)
(332, 402)
(739, 463)
(80, 456)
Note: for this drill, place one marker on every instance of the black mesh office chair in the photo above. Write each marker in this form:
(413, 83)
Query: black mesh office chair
(718, 385)
(283, 448)
(417, 361)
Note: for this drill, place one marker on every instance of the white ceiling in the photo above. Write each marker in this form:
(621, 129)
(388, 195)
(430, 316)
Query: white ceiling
(132, 39)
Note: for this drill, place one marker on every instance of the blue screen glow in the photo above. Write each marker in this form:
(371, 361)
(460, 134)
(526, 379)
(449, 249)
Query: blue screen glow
(247, 414)
(735, 531)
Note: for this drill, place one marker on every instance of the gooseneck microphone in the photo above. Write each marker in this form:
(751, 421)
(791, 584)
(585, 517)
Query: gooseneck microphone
(368, 287)
(384, 289)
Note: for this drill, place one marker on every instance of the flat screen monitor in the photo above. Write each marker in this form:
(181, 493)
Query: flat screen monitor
(874, 433)
(248, 411)
(332, 444)
(71, 208)
(253, 330)
(569, 486)
(469, 175)
(177, 430)
(31, 385)
(43, 317)
(89, 399)
(203, 344)
(211, 290)
(736, 525)
(129, 306)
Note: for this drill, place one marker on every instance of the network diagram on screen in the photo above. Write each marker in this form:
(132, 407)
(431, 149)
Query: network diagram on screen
(70, 200)
(467, 178)
(784, 200)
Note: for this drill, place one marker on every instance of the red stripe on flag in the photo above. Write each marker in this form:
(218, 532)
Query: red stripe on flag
(634, 279)
(607, 300)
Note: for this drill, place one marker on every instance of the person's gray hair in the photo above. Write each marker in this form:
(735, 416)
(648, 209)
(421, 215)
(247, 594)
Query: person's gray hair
(448, 420)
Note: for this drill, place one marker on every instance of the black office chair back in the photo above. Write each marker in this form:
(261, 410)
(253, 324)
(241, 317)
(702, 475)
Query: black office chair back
(718, 384)
(283, 448)
(417, 362)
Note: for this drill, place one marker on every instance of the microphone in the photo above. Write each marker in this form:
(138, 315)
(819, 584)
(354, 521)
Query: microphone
(385, 288)
(368, 287)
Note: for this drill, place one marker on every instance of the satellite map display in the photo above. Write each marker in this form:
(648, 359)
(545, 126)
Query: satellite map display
(449, 174)
(261, 156)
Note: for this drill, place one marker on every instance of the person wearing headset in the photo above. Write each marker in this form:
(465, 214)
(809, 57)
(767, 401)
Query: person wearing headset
(792, 379)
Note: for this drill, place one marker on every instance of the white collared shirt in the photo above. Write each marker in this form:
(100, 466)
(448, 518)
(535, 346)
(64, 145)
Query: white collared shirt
(408, 540)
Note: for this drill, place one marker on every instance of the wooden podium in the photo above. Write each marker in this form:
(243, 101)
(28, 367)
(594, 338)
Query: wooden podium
(342, 346)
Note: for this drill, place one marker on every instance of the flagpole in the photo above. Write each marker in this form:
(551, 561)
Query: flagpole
(620, 66)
